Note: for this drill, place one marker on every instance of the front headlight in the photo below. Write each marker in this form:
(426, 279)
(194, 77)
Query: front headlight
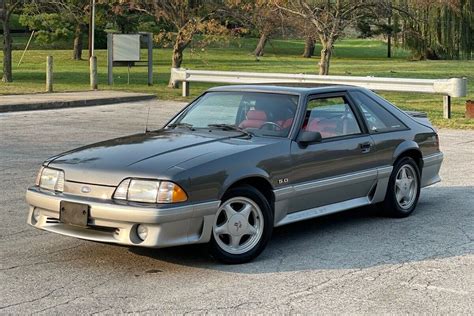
(50, 179)
(149, 191)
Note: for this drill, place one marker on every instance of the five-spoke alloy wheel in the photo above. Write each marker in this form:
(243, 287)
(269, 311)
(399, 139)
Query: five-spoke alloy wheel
(406, 185)
(242, 226)
(239, 225)
(403, 188)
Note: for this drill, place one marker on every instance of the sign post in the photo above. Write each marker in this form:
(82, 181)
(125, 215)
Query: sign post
(123, 50)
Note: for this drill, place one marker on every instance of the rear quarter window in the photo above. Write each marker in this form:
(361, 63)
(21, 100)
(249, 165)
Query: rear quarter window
(378, 119)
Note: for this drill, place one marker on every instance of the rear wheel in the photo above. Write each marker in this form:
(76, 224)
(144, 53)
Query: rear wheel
(403, 188)
(242, 227)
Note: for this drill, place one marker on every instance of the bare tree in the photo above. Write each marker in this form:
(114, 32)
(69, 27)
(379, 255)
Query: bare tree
(7, 7)
(266, 20)
(189, 17)
(306, 30)
(258, 14)
(330, 19)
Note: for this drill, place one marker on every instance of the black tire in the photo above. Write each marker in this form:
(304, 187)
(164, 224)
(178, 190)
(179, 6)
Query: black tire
(390, 205)
(257, 197)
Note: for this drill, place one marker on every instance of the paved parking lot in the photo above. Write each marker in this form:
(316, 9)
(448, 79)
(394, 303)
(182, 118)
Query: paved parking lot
(353, 262)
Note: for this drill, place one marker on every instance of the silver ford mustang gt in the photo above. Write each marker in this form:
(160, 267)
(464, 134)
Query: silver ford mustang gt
(237, 162)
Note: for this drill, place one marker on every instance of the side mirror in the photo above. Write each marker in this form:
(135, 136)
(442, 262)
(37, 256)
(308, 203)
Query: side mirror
(306, 138)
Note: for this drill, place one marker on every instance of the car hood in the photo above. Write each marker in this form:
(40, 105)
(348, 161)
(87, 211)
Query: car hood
(151, 155)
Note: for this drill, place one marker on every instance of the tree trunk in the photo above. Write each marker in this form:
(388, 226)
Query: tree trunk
(7, 51)
(177, 57)
(78, 43)
(308, 47)
(259, 50)
(326, 53)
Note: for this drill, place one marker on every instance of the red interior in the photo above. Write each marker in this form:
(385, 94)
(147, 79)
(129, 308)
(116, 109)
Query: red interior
(286, 123)
(255, 119)
(326, 128)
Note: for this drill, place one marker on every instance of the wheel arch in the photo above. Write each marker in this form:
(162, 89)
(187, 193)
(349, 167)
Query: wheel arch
(257, 181)
(409, 149)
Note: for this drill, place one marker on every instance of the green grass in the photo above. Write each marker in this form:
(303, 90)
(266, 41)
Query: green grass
(351, 57)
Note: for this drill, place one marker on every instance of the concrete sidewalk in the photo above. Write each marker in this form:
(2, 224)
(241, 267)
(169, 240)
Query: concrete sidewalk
(44, 101)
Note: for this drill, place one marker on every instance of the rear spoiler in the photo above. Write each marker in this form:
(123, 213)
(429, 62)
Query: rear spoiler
(420, 117)
(417, 114)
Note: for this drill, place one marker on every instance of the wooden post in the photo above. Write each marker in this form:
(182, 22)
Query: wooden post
(446, 106)
(49, 74)
(93, 72)
(185, 89)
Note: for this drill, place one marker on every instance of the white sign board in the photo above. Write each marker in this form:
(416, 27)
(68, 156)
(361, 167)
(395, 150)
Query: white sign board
(126, 47)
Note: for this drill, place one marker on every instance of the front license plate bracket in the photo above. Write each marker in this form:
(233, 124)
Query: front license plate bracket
(71, 213)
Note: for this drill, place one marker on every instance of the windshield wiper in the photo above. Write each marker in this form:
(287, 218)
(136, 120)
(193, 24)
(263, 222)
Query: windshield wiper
(187, 125)
(230, 127)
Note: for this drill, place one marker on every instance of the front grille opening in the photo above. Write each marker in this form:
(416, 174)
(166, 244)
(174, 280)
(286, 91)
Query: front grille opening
(103, 229)
(52, 220)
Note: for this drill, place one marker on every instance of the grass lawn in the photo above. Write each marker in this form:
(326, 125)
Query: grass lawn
(352, 57)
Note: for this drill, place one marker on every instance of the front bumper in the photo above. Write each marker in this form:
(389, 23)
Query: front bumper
(113, 222)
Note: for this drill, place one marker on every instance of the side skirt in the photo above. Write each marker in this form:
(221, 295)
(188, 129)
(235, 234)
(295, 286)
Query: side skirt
(323, 210)
(376, 194)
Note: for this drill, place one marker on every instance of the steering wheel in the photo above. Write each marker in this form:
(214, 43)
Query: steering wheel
(274, 126)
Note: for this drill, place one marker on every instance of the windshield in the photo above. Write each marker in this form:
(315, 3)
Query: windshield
(258, 113)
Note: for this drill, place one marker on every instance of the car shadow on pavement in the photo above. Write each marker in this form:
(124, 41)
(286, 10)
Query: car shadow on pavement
(442, 226)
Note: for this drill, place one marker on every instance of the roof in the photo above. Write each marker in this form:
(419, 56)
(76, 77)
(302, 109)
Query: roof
(299, 90)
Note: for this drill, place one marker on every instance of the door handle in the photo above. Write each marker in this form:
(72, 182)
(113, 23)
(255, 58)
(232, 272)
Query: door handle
(365, 147)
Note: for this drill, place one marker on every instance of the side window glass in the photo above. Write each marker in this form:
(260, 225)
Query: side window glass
(378, 119)
(331, 116)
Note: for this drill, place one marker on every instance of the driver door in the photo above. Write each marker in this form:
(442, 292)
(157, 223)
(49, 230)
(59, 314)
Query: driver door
(341, 166)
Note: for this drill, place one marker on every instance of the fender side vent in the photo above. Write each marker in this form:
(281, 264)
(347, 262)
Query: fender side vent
(372, 192)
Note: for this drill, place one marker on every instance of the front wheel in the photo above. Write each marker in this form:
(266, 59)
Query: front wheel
(403, 189)
(242, 227)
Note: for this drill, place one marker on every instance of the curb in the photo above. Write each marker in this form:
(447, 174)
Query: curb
(70, 104)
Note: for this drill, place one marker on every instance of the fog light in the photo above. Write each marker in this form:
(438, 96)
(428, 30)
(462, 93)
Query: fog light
(36, 214)
(142, 232)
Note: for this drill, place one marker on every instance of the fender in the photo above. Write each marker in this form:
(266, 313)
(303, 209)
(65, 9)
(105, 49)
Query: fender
(242, 174)
(403, 147)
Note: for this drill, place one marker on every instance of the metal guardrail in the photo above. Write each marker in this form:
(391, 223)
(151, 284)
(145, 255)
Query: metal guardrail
(453, 87)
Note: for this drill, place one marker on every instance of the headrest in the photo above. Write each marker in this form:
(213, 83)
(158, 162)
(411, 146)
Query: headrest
(256, 115)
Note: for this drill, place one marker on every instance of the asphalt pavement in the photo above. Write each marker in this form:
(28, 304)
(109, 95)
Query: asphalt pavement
(351, 262)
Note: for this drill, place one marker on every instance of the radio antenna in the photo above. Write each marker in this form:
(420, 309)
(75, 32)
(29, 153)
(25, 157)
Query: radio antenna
(147, 117)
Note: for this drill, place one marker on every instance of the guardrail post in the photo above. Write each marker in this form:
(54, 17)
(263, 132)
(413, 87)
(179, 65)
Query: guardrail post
(49, 74)
(93, 72)
(446, 106)
(185, 89)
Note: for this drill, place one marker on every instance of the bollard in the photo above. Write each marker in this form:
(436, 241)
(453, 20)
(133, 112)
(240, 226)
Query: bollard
(93, 72)
(49, 74)
(185, 89)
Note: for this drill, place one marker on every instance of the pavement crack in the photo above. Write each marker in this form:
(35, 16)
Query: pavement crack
(33, 300)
